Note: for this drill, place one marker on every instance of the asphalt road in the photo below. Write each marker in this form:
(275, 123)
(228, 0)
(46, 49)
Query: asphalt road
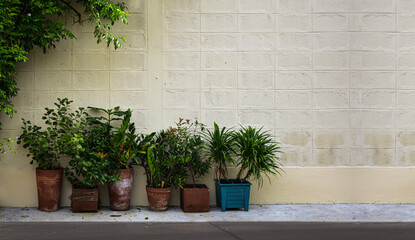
(215, 231)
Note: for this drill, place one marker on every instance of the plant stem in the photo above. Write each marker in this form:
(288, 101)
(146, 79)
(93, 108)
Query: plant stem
(193, 177)
(238, 177)
(246, 176)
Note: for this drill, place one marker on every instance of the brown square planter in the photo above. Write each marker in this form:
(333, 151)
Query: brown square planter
(84, 200)
(194, 199)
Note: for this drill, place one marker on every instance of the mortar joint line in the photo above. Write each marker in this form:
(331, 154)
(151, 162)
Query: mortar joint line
(350, 116)
(312, 84)
(237, 63)
(147, 72)
(200, 63)
(396, 82)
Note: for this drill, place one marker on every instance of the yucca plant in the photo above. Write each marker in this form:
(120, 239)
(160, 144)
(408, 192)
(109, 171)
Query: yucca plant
(219, 145)
(257, 153)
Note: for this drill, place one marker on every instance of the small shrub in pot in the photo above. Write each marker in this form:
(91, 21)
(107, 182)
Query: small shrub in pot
(193, 197)
(120, 148)
(88, 168)
(47, 145)
(163, 165)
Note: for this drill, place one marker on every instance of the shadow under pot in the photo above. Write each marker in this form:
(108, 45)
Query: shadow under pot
(84, 200)
(120, 191)
(49, 185)
(158, 198)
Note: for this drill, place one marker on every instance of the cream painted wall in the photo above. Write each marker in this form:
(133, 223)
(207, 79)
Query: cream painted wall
(297, 185)
(333, 79)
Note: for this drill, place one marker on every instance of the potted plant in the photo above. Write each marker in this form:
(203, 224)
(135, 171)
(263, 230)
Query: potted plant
(46, 147)
(220, 150)
(193, 197)
(163, 165)
(257, 155)
(87, 168)
(120, 149)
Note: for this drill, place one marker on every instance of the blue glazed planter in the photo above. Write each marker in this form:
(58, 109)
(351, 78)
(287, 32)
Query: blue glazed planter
(234, 195)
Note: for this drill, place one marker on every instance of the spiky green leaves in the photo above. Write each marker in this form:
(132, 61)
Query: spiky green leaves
(220, 149)
(257, 154)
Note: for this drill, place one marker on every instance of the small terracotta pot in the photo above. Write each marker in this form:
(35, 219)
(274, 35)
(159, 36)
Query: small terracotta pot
(120, 191)
(49, 185)
(158, 198)
(84, 200)
(194, 198)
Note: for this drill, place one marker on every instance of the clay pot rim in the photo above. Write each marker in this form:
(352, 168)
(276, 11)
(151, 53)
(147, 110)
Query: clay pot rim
(49, 170)
(151, 189)
(190, 186)
(123, 170)
(81, 188)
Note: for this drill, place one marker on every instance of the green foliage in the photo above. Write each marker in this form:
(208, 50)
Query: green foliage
(46, 146)
(88, 168)
(190, 136)
(104, 148)
(25, 24)
(163, 166)
(68, 134)
(8, 142)
(220, 149)
(257, 153)
(174, 153)
(120, 145)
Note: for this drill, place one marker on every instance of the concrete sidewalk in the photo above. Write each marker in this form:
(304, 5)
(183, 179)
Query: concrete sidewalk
(256, 213)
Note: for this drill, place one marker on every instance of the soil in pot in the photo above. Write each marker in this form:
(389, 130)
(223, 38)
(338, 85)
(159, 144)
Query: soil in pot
(194, 198)
(158, 198)
(84, 200)
(120, 191)
(232, 181)
(49, 185)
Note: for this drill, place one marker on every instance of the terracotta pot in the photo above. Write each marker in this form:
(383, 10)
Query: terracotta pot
(84, 200)
(49, 185)
(194, 198)
(158, 198)
(120, 191)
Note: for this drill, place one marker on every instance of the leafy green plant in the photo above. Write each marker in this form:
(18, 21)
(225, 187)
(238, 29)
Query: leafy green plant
(88, 166)
(121, 144)
(47, 146)
(257, 153)
(25, 24)
(220, 149)
(104, 148)
(171, 156)
(8, 143)
(190, 134)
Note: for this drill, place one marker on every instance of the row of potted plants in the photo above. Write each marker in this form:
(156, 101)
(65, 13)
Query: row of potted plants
(100, 146)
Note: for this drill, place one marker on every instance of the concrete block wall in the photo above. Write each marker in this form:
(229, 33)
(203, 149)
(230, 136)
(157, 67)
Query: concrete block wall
(332, 79)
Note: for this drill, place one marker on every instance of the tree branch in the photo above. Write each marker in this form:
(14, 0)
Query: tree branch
(76, 12)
